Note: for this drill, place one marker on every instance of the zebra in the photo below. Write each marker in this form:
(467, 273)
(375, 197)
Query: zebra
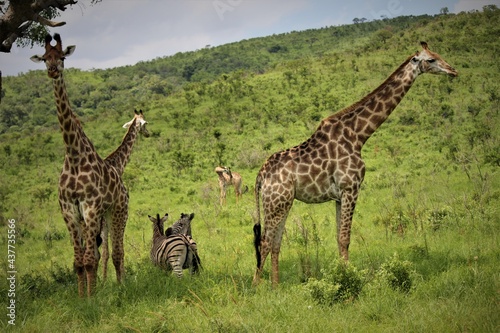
(174, 252)
(181, 226)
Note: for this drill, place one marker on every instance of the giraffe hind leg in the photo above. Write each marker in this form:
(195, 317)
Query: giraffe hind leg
(262, 255)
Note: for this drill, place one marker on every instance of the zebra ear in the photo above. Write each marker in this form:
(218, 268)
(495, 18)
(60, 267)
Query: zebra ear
(152, 219)
(191, 216)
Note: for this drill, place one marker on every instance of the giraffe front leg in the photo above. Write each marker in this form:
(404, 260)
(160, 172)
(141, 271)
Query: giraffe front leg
(79, 269)
(75, 232)
(91, 255)
(347, 205)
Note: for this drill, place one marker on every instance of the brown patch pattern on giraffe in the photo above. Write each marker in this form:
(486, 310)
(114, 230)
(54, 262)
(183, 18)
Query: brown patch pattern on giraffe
(91, 192)
(328, 166)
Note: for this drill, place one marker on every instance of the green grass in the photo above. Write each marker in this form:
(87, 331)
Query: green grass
(427, 212)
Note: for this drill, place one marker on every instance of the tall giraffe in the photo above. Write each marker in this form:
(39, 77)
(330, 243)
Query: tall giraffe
(328, 166)
(90, 191)
(227, 178)
(119, 159)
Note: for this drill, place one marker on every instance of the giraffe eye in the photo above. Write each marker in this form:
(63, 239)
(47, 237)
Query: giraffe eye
(431, 61)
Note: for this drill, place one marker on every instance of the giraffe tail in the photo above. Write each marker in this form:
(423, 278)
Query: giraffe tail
(257, 229)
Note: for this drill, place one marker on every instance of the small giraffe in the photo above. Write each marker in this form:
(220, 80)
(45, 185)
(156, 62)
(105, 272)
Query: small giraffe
(227, 178)
(328, 166)
(90, 191)
(119, 159)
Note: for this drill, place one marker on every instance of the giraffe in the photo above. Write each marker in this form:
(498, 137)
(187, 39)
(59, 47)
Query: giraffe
(119, 159)
(227, 178)
(328, 166)
(90, 191)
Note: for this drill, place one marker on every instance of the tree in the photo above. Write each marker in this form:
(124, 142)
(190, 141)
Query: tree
(27, 20)
(384, 34)
(444, 11)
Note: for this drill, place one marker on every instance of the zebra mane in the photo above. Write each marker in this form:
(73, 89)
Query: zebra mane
(158, 223)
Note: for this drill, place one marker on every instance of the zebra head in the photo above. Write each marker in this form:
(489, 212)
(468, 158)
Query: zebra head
(181, 226)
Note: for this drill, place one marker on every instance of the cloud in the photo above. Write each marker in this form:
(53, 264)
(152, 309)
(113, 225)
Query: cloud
(467, 5)
(123, 32)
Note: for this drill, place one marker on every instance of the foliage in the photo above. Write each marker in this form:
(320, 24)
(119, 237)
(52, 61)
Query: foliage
(341, 282)
(431, 190)
(397, 273)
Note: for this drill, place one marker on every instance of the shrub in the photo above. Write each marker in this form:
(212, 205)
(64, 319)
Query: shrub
(397, 273)
(341, 282)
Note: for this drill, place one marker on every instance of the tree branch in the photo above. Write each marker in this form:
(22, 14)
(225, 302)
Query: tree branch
(19, 16)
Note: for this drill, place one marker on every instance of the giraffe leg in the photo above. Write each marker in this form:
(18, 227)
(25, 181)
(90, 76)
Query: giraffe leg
(265, 248)
(275, 219)
(347, 205)
(91, 256)
(78, 266)
(105, 248)
(117, 233)
(275, 251)
(72, 218)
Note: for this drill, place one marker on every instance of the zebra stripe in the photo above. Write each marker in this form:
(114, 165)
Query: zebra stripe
(181, 226)
(175, 252)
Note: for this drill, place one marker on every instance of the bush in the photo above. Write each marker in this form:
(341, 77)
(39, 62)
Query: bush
(397, 273)
(341, 282)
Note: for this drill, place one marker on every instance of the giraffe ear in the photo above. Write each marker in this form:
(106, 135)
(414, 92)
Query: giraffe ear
(424, 45)
(127, 125)
(37, 58)
(69, 50)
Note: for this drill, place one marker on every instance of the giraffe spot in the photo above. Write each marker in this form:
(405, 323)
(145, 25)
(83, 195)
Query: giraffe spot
(303, 168)
(71, 182)
(376, 119)
(84, 179)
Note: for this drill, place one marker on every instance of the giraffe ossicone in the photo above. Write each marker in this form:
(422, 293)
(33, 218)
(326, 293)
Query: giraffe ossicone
(328, 166)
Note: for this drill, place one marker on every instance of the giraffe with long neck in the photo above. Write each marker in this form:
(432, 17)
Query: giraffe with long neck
(119, 159)
(328, 166)
(121, 155)
(90, 191)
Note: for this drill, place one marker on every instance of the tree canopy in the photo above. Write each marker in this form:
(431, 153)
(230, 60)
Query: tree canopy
(26, 21)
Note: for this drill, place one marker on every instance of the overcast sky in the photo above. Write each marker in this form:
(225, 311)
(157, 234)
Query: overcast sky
(123, 32)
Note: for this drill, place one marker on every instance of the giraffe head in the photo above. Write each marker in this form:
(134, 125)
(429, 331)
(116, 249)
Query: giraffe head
(427, 61)
(139, 121)
(54, 56)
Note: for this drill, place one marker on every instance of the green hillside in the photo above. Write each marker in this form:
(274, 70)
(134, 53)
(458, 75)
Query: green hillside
(428, 210)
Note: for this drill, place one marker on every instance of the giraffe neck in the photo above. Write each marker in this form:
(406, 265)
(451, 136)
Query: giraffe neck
(75, 140)
(120, 157)
(366, 116)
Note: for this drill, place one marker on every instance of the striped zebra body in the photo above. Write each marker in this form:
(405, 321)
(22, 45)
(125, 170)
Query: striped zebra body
(174, 252)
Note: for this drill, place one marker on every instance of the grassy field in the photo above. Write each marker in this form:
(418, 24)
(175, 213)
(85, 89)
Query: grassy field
(424, 247)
